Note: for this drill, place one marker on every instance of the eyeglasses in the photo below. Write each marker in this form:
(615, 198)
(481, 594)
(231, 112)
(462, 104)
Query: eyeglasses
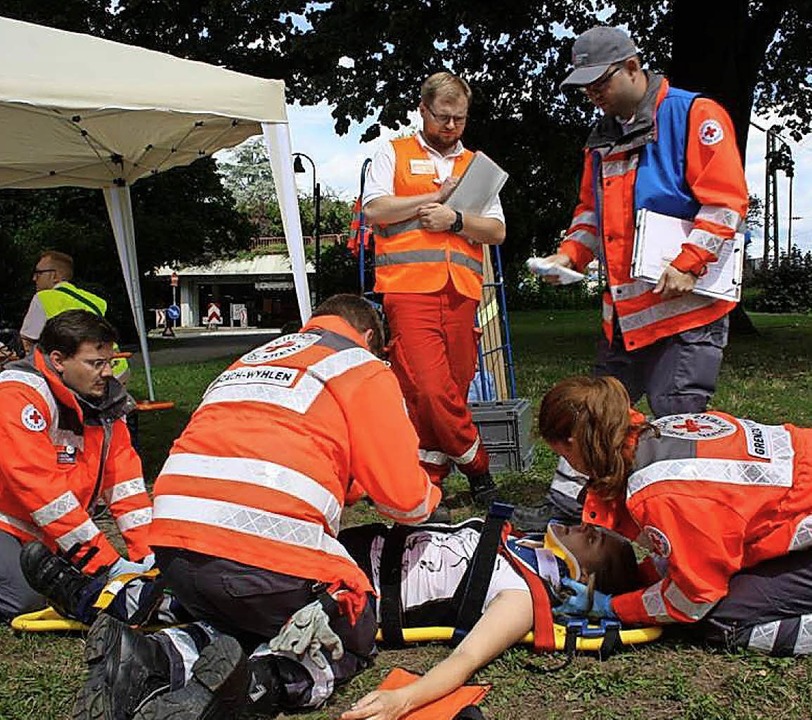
(601, 83)
(38, 272)
(445, 119)
(99, 364)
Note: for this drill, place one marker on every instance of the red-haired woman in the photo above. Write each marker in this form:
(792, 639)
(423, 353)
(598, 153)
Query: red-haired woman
(723, 504)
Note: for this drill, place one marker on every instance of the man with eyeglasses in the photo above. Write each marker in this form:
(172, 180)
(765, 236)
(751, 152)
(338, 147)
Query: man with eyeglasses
(65, 446)
(55, 293)
(428, 265)
(673, 152)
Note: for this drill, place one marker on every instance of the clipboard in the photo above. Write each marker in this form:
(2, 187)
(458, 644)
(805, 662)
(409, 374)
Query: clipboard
(658, 240)
(478, 186)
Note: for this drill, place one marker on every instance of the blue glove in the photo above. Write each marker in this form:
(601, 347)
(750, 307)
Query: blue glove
(123, 566)
(578, 603)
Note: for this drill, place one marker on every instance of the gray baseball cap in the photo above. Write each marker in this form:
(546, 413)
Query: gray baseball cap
(594, 51)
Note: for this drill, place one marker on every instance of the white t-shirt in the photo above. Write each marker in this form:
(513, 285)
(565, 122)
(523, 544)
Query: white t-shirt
(434, 564)
(34, 320)
(380, 180)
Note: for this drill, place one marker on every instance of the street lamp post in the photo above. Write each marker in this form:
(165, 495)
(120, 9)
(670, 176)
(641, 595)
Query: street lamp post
(298, 167)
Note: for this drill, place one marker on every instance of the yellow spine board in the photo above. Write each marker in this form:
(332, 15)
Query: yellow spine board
(627, 637)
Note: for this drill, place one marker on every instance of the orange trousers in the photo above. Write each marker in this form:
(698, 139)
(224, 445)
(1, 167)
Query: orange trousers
(432, 350)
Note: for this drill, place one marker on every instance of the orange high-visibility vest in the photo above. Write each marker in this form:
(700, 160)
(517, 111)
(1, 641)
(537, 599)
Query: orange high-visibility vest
(261, 473)
(605, 225)
(409, 259)
(712, 495)
(57, 461)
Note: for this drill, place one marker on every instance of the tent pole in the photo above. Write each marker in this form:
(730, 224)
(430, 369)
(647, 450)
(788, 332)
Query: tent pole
(119, 208)
(277, 142)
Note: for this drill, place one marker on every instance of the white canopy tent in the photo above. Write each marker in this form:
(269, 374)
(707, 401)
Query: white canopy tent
(78, 110)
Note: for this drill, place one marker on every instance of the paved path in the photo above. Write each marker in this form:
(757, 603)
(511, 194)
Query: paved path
(198, 347)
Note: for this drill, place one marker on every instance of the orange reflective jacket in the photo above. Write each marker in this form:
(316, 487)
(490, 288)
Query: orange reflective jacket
(59, 457)
(681, 161)
(712, 495)
(412, 260)
(261, 473)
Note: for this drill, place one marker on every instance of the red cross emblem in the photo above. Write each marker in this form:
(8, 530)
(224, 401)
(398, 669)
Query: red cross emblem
(709, 133)
(691, 425)
(32, 418)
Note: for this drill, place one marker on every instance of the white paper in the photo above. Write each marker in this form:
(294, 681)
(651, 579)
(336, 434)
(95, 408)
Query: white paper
(545, 266)
(478, 186)
(659, 239)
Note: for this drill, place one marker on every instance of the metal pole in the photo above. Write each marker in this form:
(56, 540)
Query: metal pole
(316, 234)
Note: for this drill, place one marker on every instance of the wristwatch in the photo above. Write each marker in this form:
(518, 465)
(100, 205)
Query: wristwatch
(456, 226)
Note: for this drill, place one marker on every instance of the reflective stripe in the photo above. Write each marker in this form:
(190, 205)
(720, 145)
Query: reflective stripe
(631, 290)
(655, 605)
(803, 642)
(122, 490)
(607, 310)
(585, 218)
(706, 240)
(613, 168)
(586, 238)
(458, 258)
(20, 524)
(468, 456)
(249, 521)
(680, 601)
(387, 231)
(663, 311)
(338, 363)
(55, 509)
(38, 383)
(570, 488)
(719, 215)
(762, 637)
(260, 473)
(803, 535)
(420, 511)
(433, 457)
(81, 534)
(301, 396)
(776, 473)
(410, 256)
(134, 519)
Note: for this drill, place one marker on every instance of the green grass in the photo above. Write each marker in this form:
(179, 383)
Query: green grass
(767, 377)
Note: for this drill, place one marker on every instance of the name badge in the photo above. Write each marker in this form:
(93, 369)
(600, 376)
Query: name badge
(66, 456)
(421, 167)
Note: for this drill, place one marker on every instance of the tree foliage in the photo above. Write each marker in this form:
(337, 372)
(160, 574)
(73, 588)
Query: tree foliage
(367, 58)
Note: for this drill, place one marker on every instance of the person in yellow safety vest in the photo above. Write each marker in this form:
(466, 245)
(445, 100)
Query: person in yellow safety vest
(56, 294)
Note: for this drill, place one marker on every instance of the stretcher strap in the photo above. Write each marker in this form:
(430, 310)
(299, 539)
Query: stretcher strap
(390, 578)
(481, 570)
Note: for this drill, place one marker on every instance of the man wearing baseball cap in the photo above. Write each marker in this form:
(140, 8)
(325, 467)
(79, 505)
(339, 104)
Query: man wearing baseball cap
(670, 151)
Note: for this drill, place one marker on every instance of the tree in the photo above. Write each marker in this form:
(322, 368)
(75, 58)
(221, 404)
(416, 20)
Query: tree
(248, 177)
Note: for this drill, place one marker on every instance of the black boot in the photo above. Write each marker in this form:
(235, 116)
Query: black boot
(125, 669)
(218, 689)
(65, 587)
(440, 516)
(483, 489)
(536, 519)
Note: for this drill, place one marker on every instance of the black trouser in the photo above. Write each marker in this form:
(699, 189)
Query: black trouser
(252, 604)
(768, 608)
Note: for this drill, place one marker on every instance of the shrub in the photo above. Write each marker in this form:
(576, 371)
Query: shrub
(784, 286)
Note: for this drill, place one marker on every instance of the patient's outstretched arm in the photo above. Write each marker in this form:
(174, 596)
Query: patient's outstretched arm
(505, 622)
